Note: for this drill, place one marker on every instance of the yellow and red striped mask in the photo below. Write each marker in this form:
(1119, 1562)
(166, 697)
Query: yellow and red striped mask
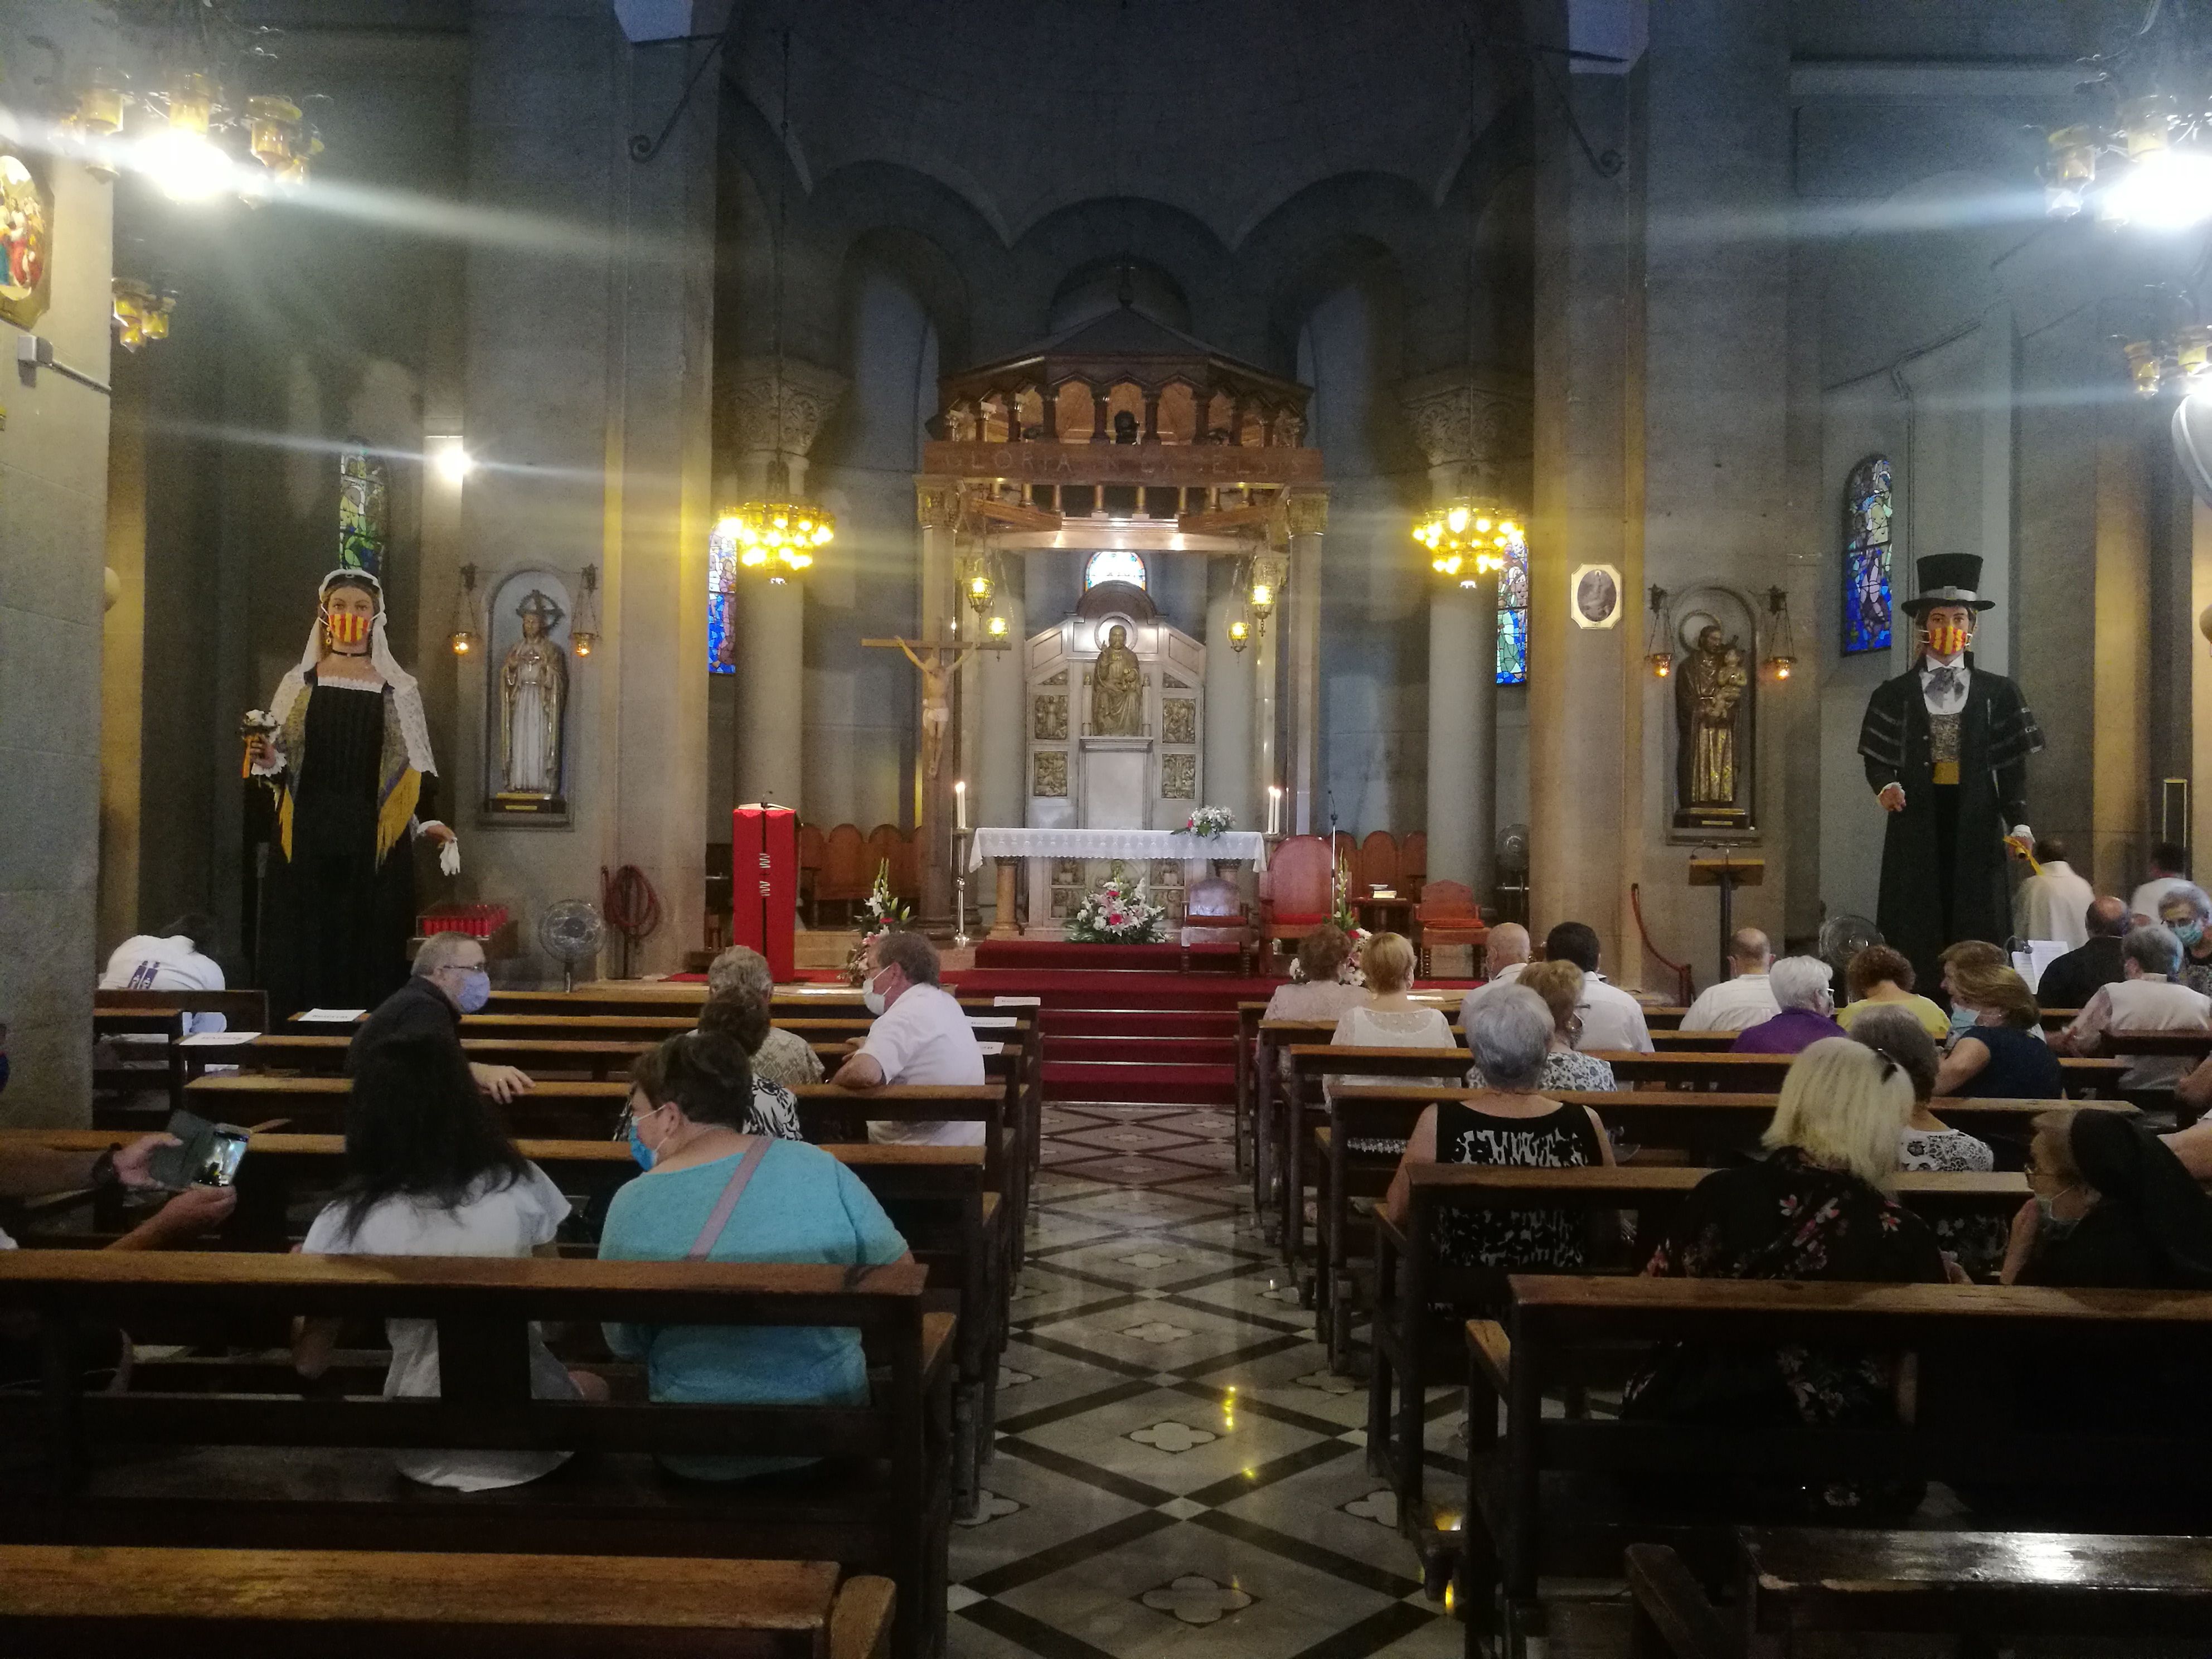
(1948, 639)
(346, 628)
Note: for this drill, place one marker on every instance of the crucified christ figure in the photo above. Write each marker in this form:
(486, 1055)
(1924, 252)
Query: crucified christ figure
(936, 692)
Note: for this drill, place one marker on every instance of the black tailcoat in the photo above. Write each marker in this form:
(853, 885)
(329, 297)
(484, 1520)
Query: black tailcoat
(1996, 734)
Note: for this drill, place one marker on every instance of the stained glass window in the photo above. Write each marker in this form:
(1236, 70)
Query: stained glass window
(1513, 618)
(362, 520)
(1866, 557)
(721, 579)
(1116, 564)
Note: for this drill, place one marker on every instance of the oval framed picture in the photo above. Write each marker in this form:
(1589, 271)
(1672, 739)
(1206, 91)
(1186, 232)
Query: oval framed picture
(1595, 591)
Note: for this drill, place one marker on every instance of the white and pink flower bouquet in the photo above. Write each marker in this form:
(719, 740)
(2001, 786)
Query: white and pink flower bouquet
(1120, 912)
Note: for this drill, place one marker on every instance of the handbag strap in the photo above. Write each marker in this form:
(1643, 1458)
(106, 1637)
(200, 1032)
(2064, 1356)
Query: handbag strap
(711, 1234)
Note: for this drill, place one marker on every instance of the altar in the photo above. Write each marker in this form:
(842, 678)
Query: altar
(1045, 850)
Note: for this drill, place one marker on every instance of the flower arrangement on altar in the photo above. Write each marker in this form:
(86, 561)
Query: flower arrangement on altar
(1208, 822)
(881, 914)
(1120, 912)
(1342, 911)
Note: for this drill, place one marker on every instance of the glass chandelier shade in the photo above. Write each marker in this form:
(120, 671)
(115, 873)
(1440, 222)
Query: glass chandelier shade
(775, 534)
(1469, 538)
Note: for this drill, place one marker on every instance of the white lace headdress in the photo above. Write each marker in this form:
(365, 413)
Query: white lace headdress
(406, 696)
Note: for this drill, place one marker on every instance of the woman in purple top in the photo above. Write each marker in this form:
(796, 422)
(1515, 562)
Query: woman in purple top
(1805, 990)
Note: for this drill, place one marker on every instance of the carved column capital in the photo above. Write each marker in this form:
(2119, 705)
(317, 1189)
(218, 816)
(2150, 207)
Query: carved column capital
(937, 504)
(778, 408)
(1477, 423)
(1305, 512)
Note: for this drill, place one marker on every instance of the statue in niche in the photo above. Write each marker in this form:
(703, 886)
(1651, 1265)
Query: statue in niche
(1117, 689)
(1710, 684)
(533, 691)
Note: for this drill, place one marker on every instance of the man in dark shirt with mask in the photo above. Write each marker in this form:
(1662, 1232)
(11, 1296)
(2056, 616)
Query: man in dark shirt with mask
(2071, 980)
(449, 981)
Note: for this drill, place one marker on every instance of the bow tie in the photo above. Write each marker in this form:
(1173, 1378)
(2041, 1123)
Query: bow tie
(1944, 678)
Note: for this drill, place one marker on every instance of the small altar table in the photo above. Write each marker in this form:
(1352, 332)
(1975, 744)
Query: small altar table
(1011, 847)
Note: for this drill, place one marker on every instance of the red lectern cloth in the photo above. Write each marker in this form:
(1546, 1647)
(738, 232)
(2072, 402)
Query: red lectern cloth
(764, 883)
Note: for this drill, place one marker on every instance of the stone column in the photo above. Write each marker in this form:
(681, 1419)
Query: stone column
(998, 793)
(771, 409)
(1229, 772)
(589, 406)
(52, 560)
(1582, 739)
(1474, 426)
(1300, 611)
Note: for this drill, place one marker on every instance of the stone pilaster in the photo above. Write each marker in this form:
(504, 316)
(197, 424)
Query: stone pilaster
(1307, 811)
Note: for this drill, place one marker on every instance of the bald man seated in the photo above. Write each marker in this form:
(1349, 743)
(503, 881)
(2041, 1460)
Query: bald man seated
(1504, 954)
(1737, 1004)
(2071, 980)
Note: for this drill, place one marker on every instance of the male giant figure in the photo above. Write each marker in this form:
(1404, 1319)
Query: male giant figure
(1946, 746)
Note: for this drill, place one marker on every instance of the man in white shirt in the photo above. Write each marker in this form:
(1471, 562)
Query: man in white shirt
(1744, 1000)
(170, 959)
(2054, 903)
(2146, 1000)
(1612, 1019)
(2168, 862)
(921, 1035)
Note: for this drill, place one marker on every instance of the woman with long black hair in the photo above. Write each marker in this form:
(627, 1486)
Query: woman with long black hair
(430, 1172)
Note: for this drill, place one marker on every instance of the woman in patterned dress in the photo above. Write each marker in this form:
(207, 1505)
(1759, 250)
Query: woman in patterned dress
(1565, 1069)
(1508, 1123)
(1926, 1142)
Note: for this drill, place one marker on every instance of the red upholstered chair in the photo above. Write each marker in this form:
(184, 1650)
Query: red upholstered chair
(1294, 890)
(1413, 864)
(1447, 914)
(1215, 914)
(1378, 861)
(847, 874)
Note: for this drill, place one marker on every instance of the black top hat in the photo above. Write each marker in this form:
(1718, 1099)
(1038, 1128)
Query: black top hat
(1947, 579)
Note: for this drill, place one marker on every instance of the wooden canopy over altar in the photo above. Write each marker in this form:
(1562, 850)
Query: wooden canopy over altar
(1120, 433)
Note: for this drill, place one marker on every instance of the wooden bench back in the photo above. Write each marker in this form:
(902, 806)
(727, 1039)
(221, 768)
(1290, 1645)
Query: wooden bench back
(243, 1011)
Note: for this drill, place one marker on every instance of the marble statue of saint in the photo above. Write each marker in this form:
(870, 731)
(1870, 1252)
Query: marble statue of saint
(1708, 689)
(534, 686)
(1117, 689)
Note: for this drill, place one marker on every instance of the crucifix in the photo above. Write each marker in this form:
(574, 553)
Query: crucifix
(936, 693)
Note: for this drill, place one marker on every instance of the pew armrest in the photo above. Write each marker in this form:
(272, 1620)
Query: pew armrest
(860, 1622)
(936, 1345)
(1673, 1618)
(1491, 1349)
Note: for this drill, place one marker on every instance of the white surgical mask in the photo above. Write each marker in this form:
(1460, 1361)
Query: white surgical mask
(872, 998)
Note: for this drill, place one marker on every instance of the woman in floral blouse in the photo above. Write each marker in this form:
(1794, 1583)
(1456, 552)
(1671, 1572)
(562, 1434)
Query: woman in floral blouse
(1815, 1208)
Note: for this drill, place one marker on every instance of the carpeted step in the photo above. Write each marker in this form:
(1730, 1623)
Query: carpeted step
(1106, 1081)
(1140, 1022)
(1141, 1050)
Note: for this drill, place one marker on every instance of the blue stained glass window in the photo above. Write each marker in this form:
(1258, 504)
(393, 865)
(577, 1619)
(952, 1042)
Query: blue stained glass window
(1513, 618)
(1866, 557)
(1115, 564)
(722, 580)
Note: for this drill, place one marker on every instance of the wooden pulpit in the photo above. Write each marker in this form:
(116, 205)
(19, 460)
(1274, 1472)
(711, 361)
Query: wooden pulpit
(1727, 874)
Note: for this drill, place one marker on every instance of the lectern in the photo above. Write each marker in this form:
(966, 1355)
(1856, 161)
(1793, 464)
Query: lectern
(1727, 874)
(764, 883)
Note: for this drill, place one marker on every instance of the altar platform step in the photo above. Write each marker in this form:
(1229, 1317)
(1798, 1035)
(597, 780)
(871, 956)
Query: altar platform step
(1148, 1050)
(1220, 1023)
(1136, 1081)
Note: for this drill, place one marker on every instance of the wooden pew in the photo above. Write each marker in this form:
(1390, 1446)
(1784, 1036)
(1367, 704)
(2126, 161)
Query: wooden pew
(1663, 1017)
(151, 1038)
(242, 1010)
(1414, 1351)
(58, 1602)
(1982, 1584)
(257, 1469)
(1687, 1043)
(1554, 1496)
(1763, 1073)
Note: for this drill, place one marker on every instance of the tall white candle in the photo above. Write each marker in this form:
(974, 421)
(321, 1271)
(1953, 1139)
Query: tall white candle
(960, 804)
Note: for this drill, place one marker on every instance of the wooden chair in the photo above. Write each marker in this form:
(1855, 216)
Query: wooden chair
(1379, 862)
(847, 873)
(1413, 864)
(110, 1604)
(1447, 914)
(810, 865)
(1215, 914)
(1294, 891)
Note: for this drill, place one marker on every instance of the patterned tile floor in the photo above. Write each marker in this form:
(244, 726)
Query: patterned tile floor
(1177, 1470)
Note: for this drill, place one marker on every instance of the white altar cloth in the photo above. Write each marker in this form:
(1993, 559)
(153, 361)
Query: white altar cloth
(1246, 846)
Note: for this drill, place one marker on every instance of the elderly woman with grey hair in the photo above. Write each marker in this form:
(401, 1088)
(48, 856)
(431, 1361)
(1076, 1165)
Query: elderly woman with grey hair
(1805, 991)
(1507, 1122)
(741, 976)
(2186, 913)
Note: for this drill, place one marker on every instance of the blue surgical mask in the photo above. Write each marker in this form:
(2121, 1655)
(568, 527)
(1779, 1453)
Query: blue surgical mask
(1962, 1019)
(476, 991)
(2187, 931)
(2051, 1224)
(638, 1149)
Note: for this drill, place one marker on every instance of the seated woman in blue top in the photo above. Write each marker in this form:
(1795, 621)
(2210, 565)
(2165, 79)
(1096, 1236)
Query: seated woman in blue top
(687, 1121)
(2002, 1055)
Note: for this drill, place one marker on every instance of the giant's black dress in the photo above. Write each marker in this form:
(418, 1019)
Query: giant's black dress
(1943, 856)
(337, 920)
